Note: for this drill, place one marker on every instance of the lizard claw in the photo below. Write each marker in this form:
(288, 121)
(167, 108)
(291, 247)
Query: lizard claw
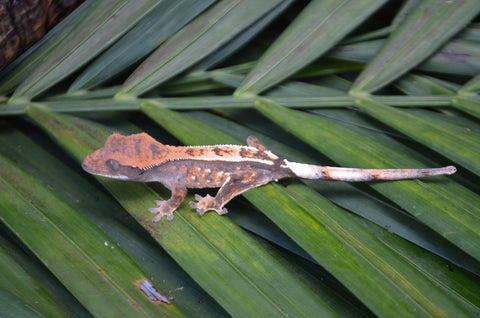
(222, 211)
(205, 204)
(162, 209)
(194, 205)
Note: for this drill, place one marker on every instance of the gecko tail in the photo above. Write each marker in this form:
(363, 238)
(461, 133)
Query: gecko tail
(314, 172)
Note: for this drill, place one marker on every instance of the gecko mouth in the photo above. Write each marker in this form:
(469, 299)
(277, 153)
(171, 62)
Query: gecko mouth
(87, 166)
(97, 172)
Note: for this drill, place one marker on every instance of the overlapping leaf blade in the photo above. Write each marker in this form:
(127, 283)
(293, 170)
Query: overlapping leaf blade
(320, 25)
(245, 36)
(420, 34)
(472, 85)
(17, 280)
(455, 57)
(199, 38)
(87, 266)
(12, 306)
(460, 147)
(449, 209)
(468, 105)
(167, 18)
(88, 35)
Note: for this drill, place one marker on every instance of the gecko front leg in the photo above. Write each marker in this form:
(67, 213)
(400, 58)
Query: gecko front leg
(236, 184)
(167, 207)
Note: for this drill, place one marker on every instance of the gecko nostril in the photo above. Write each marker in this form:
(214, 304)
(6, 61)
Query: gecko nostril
(113, 165)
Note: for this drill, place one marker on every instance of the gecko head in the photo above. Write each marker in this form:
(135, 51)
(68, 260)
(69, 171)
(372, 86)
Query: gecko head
(118, 159)
(108, 167)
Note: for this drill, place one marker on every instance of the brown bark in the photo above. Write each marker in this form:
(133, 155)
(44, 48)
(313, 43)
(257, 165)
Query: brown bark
(24, 22)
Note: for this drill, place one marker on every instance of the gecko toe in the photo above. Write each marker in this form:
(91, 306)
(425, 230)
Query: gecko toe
(195, 206)
(160, 215)
(222, 211)
(154, 210)
(157, 218)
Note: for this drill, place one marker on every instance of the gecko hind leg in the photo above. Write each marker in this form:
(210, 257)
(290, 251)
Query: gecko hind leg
(167, 207)
(235, 185)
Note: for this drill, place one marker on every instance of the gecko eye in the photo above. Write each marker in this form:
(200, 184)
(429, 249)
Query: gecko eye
(113, 165)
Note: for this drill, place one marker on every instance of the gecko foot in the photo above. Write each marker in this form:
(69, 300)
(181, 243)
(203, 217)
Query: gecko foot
(207, 203)
(163, 209)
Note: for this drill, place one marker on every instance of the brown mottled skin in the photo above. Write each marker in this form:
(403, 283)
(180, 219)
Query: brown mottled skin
(233, 169)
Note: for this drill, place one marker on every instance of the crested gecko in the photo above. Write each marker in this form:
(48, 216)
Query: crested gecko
(233, 169)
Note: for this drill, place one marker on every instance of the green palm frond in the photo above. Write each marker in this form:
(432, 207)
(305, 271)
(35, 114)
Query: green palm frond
(350, 83)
